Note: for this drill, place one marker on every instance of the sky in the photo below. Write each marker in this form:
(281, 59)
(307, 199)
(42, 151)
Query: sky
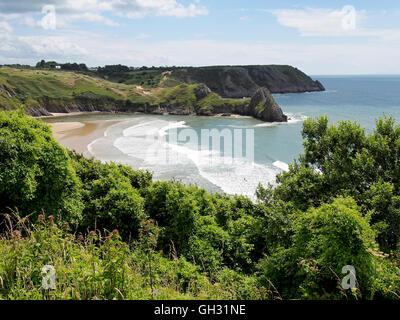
(318, 37)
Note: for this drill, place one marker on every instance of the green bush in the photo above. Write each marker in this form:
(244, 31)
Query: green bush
(175, 209)
(325, 240)
(344, 160)
(36, 173)
(112, 202)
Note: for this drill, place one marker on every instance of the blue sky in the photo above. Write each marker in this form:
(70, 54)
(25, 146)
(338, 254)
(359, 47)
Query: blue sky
(330, 37)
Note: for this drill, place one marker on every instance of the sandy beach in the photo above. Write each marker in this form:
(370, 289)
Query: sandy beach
(78, 135)
(61, 129)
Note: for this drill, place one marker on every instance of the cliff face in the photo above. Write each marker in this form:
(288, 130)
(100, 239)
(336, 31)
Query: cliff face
(244, 81)
(263, 107)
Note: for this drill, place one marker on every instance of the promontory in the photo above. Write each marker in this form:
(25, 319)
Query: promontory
(50, 87)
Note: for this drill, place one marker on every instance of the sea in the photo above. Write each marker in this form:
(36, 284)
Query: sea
(235, 155)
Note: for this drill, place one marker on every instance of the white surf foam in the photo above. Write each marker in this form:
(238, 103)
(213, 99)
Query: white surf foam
(148, 141)
(281, 165)
(295, 117)
(90, 146)
(146, 128)
(292, 118)
(268, 124)
(174, 125)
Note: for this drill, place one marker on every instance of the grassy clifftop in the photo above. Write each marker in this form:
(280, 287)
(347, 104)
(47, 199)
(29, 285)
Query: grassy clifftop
(192, 90)
(30, 87)
(42, 91)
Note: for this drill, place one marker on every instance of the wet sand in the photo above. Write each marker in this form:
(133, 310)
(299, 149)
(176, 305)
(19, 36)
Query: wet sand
(78, 135)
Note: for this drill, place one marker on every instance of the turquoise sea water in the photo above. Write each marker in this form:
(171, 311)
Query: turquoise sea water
(147, 141)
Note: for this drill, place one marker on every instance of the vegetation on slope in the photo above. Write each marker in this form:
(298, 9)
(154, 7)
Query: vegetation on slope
(102, 266)
(62, 91)
(53, 87)
(244, 81)
(292, 243)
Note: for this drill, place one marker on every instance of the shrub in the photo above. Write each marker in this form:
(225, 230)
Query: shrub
(112, 202)
(325, 240)
(36, 173)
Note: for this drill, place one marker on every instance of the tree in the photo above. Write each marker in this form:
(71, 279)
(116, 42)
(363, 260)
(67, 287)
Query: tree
(345, 160)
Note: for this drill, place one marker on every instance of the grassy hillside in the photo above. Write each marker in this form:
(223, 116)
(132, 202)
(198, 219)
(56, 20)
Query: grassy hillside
(28, 87)
(149, 90)
(64, 91)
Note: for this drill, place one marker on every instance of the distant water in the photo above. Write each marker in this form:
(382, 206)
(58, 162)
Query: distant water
(147, 141)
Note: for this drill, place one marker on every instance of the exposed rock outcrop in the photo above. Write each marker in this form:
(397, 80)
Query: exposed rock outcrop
(202, 91)
(263, 106)
(9, 91)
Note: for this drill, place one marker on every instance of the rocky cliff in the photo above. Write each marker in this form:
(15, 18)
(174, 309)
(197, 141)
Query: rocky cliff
(263, 106)
(244, 81)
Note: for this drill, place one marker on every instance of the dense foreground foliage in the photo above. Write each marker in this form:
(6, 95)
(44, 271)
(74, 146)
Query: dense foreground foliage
(338, 205)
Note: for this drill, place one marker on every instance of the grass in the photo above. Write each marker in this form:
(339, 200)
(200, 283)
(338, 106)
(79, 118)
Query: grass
(213, 102)
(53, 83)
(99, 265)
(31, 87)
(181, 95)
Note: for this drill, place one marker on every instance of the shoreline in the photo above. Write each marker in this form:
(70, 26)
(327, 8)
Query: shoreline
(64, 114)
(78, 135)
(67, 114)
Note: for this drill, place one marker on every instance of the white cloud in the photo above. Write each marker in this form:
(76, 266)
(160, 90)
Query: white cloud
(5, 27)
(54, 46)
(312, 22)
(65, 20)
(313, 59)
(95, 10)
(319, 22)
(377, 53)
(141, 8)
